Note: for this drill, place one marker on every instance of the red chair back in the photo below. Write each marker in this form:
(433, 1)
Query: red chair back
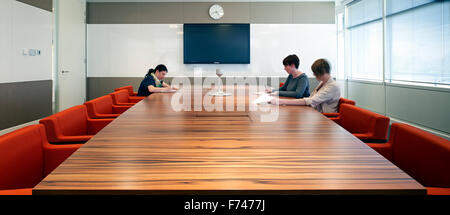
(128, 88)
(358, 120)
(424, 156)
(120, 96)
(101, 105)
(345, 101)
(22, 158)
(70, 122)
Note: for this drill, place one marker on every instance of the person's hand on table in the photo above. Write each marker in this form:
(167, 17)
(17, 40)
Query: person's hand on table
(275, 101)
(174, 88)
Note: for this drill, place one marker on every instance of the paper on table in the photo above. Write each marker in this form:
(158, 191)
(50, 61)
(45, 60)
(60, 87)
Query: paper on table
(168, 91)
(260, 93)
(263, 99)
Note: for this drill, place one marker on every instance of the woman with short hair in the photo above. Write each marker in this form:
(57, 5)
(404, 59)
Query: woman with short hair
(297, 83)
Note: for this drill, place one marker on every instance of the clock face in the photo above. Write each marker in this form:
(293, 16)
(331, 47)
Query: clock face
(216, 11)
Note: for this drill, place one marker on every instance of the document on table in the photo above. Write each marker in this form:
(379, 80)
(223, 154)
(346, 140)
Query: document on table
(168, 91)
(263, 99)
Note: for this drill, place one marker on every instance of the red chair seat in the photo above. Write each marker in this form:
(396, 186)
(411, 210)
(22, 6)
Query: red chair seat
(26, 158)
(423, 156)
(364, 124)
(72, 126)
(103, 107)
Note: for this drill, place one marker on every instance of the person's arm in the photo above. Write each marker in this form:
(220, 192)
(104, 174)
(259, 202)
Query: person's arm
(298, 102)
(322, 96)
(154, 89)
(299, 91)
(168, 86)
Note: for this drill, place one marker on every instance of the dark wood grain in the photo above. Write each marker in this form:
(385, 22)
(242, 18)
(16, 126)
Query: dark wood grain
(152, 149)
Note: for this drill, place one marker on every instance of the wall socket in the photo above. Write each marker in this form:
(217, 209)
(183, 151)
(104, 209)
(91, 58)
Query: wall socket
(31, 52)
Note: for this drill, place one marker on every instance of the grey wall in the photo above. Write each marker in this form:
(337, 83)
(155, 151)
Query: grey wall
(197, 12)
(424, 107)
(22, 102)
(43, 4)
(100, 86)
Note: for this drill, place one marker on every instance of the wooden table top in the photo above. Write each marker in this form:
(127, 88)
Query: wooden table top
(153, 149)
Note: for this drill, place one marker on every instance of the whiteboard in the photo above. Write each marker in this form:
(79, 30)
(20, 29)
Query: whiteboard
(129, 50)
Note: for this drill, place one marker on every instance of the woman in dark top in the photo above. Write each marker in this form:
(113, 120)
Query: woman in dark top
(297, 83)
(153, 82)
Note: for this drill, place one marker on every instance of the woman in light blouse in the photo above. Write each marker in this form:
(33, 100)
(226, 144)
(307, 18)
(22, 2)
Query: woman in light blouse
(325, 98)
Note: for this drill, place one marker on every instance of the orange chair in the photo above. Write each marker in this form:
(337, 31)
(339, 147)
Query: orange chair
(423, 156)
(341, 101)
(26, 158)
(121, 98)
(103, 107)
(364, 124)
(131, 93)
(129, 88)
(72, 126)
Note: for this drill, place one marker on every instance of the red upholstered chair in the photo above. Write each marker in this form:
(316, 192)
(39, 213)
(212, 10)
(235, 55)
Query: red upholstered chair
(26, 158)
(131, 93)
(423, 156)
(103, 107)
(72, 126)
(364, 124)
(129, 88)
(341, 101)
(121, 97)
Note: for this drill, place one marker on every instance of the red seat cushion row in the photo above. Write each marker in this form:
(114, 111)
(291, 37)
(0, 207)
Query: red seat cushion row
(103, 107)
(26, 158)
(72, 125)
(364, 124)
(422, 155)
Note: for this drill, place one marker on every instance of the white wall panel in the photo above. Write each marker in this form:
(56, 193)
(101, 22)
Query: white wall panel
(5, 39)
(25, 27)
(129, 50)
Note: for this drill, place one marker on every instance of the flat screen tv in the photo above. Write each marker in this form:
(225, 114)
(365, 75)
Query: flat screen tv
(216, 43)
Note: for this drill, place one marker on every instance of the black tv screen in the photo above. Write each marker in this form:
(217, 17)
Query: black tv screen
(216, 43)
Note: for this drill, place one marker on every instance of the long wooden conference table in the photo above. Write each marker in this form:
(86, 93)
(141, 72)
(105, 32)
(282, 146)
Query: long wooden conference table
(153, 149)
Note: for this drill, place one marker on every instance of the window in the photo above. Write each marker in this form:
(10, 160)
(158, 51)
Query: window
(340, 46)
(418, 41)
(364, 39)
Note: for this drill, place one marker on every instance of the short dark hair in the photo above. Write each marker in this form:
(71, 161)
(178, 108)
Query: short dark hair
(291, 59)
(320, 67)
